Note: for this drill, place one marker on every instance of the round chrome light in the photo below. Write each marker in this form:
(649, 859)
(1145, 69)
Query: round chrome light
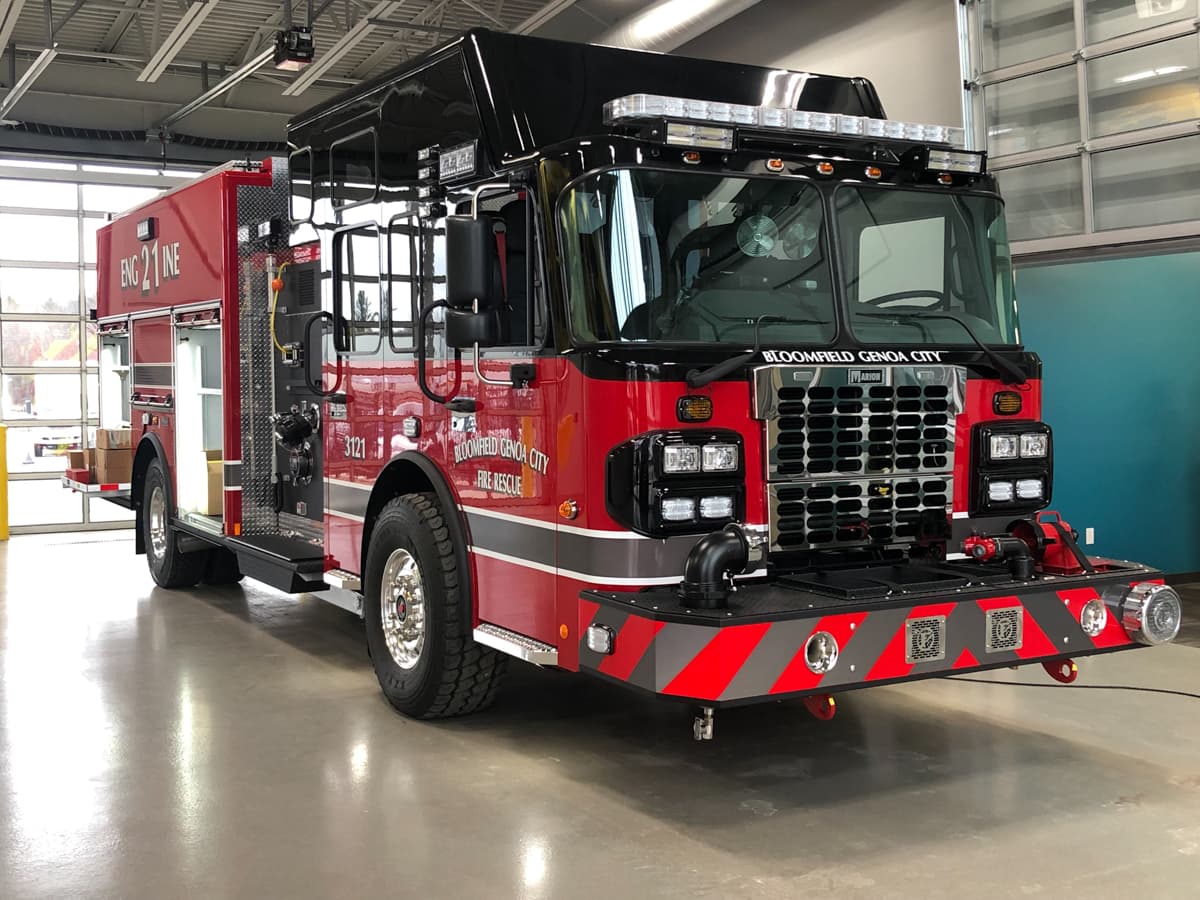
(821, 652)
(1093, 617)
(1151, 613)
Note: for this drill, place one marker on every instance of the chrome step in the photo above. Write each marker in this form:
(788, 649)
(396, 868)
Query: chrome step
(519, 645)
(340, 578)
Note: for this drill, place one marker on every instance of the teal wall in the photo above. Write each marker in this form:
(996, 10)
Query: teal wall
(1120, 343)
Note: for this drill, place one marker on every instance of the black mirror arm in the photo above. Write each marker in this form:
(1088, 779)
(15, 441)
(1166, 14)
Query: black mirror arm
(309, 382)
(421, 359)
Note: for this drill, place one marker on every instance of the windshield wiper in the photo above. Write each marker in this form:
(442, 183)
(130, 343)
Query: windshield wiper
(698, 378)
(1006, 368)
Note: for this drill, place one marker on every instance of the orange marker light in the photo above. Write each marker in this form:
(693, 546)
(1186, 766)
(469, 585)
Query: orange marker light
(568, 509)
(775, 165)
(825, 168)
(945, 179)
(874, 172)
(564, 632)
(692, 157)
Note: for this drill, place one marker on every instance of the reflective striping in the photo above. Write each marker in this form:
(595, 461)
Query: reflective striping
(714, 667)
(344, 515)
(350, 499)
(708, 662)
(629, 646)
(578, 576)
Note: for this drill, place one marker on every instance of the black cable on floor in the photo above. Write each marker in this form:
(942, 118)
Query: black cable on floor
(1081, 687)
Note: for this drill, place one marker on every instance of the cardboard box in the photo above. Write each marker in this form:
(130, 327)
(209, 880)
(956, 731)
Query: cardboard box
(114, 466)
(80, 459)
(113, 438)
(82, 474)
(216, 484)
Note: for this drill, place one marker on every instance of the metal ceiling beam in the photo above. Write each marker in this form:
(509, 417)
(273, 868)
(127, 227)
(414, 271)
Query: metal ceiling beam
(331, 57)
(241, 73)
(25, 82)
(120, 25)
(422, 21)
(543, 15)
(191, 20)
(10, 11)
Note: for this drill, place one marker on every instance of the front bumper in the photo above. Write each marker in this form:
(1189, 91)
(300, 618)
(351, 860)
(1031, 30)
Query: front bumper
(754, 650)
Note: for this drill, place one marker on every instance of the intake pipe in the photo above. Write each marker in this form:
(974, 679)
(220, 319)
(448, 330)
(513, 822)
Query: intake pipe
(1005, 547)
(713, 561)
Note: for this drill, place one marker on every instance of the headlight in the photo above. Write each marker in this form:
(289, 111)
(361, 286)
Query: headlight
(1000, 491)
(1034, 445)
(821, 652)
(720, 458)
(681, 458)
(1093, 617)
(716, 507)
(1003, 446)
(1030, 489)
(1151, 613)
(678, 509)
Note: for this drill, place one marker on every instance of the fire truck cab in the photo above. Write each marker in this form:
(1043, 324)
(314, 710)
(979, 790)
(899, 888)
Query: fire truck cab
(703, 378)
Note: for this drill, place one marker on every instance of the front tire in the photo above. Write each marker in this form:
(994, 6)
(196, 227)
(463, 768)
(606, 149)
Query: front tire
(169, 566)
(428, 665)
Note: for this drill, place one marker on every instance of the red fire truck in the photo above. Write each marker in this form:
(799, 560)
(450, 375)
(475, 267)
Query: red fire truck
(703, 378)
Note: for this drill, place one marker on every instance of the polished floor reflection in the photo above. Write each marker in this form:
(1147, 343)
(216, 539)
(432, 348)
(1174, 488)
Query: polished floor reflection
(232, 743)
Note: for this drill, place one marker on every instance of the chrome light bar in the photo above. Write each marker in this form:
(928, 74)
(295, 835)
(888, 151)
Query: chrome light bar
(642, 107)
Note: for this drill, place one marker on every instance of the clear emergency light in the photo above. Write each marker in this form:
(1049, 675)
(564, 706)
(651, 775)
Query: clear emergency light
(642, 107)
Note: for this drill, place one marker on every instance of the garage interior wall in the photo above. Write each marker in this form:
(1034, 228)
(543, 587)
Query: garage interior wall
(50, 211)
(908, 48)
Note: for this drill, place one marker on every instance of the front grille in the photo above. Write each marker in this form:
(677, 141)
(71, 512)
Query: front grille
(925, 639)
(822, 430)
(812, 514)
(1004, 629)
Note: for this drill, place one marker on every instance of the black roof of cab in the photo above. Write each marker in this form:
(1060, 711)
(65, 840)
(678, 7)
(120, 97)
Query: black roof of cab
(530, 92)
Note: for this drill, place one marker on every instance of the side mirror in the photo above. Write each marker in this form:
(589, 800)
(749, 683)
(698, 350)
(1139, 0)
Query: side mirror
(465, 328)
(470, 263)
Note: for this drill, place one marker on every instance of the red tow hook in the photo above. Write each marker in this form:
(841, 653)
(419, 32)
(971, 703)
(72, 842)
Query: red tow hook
(1063, 670)
(822, 706)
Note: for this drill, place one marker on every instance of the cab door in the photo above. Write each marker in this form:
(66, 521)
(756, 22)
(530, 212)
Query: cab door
(502, 453)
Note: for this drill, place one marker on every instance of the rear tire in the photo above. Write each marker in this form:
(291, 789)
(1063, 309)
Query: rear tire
(427, 663)
(169, 566)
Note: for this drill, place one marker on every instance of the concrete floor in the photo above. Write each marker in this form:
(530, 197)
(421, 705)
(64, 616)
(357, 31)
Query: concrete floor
(233, 743)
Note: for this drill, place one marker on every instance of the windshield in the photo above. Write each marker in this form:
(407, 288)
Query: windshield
(913, 261)
(693, 257)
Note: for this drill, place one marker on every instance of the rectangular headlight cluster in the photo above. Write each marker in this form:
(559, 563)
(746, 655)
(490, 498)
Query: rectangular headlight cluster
(684, 459)
(683, 509)
(1029, 445)
(1012, 466)
(642, 107)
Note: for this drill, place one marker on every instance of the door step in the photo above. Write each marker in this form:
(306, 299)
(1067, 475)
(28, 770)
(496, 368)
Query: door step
(519, 645)
(340, 578)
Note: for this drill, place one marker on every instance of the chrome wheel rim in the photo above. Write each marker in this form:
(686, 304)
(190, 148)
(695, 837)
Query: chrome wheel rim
(402, 608)
(158, 522)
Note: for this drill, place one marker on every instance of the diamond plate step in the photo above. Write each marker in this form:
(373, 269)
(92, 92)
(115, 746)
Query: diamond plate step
(514, 644)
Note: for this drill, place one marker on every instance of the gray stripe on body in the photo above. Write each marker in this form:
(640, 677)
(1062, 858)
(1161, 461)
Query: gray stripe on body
(352, 500)
(526, 542)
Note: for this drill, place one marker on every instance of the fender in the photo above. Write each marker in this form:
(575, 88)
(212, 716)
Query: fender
(412, 472)
(149, 448)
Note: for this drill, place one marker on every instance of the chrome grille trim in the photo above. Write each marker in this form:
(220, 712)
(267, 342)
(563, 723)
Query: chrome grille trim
(808, 515)
(855, 454)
